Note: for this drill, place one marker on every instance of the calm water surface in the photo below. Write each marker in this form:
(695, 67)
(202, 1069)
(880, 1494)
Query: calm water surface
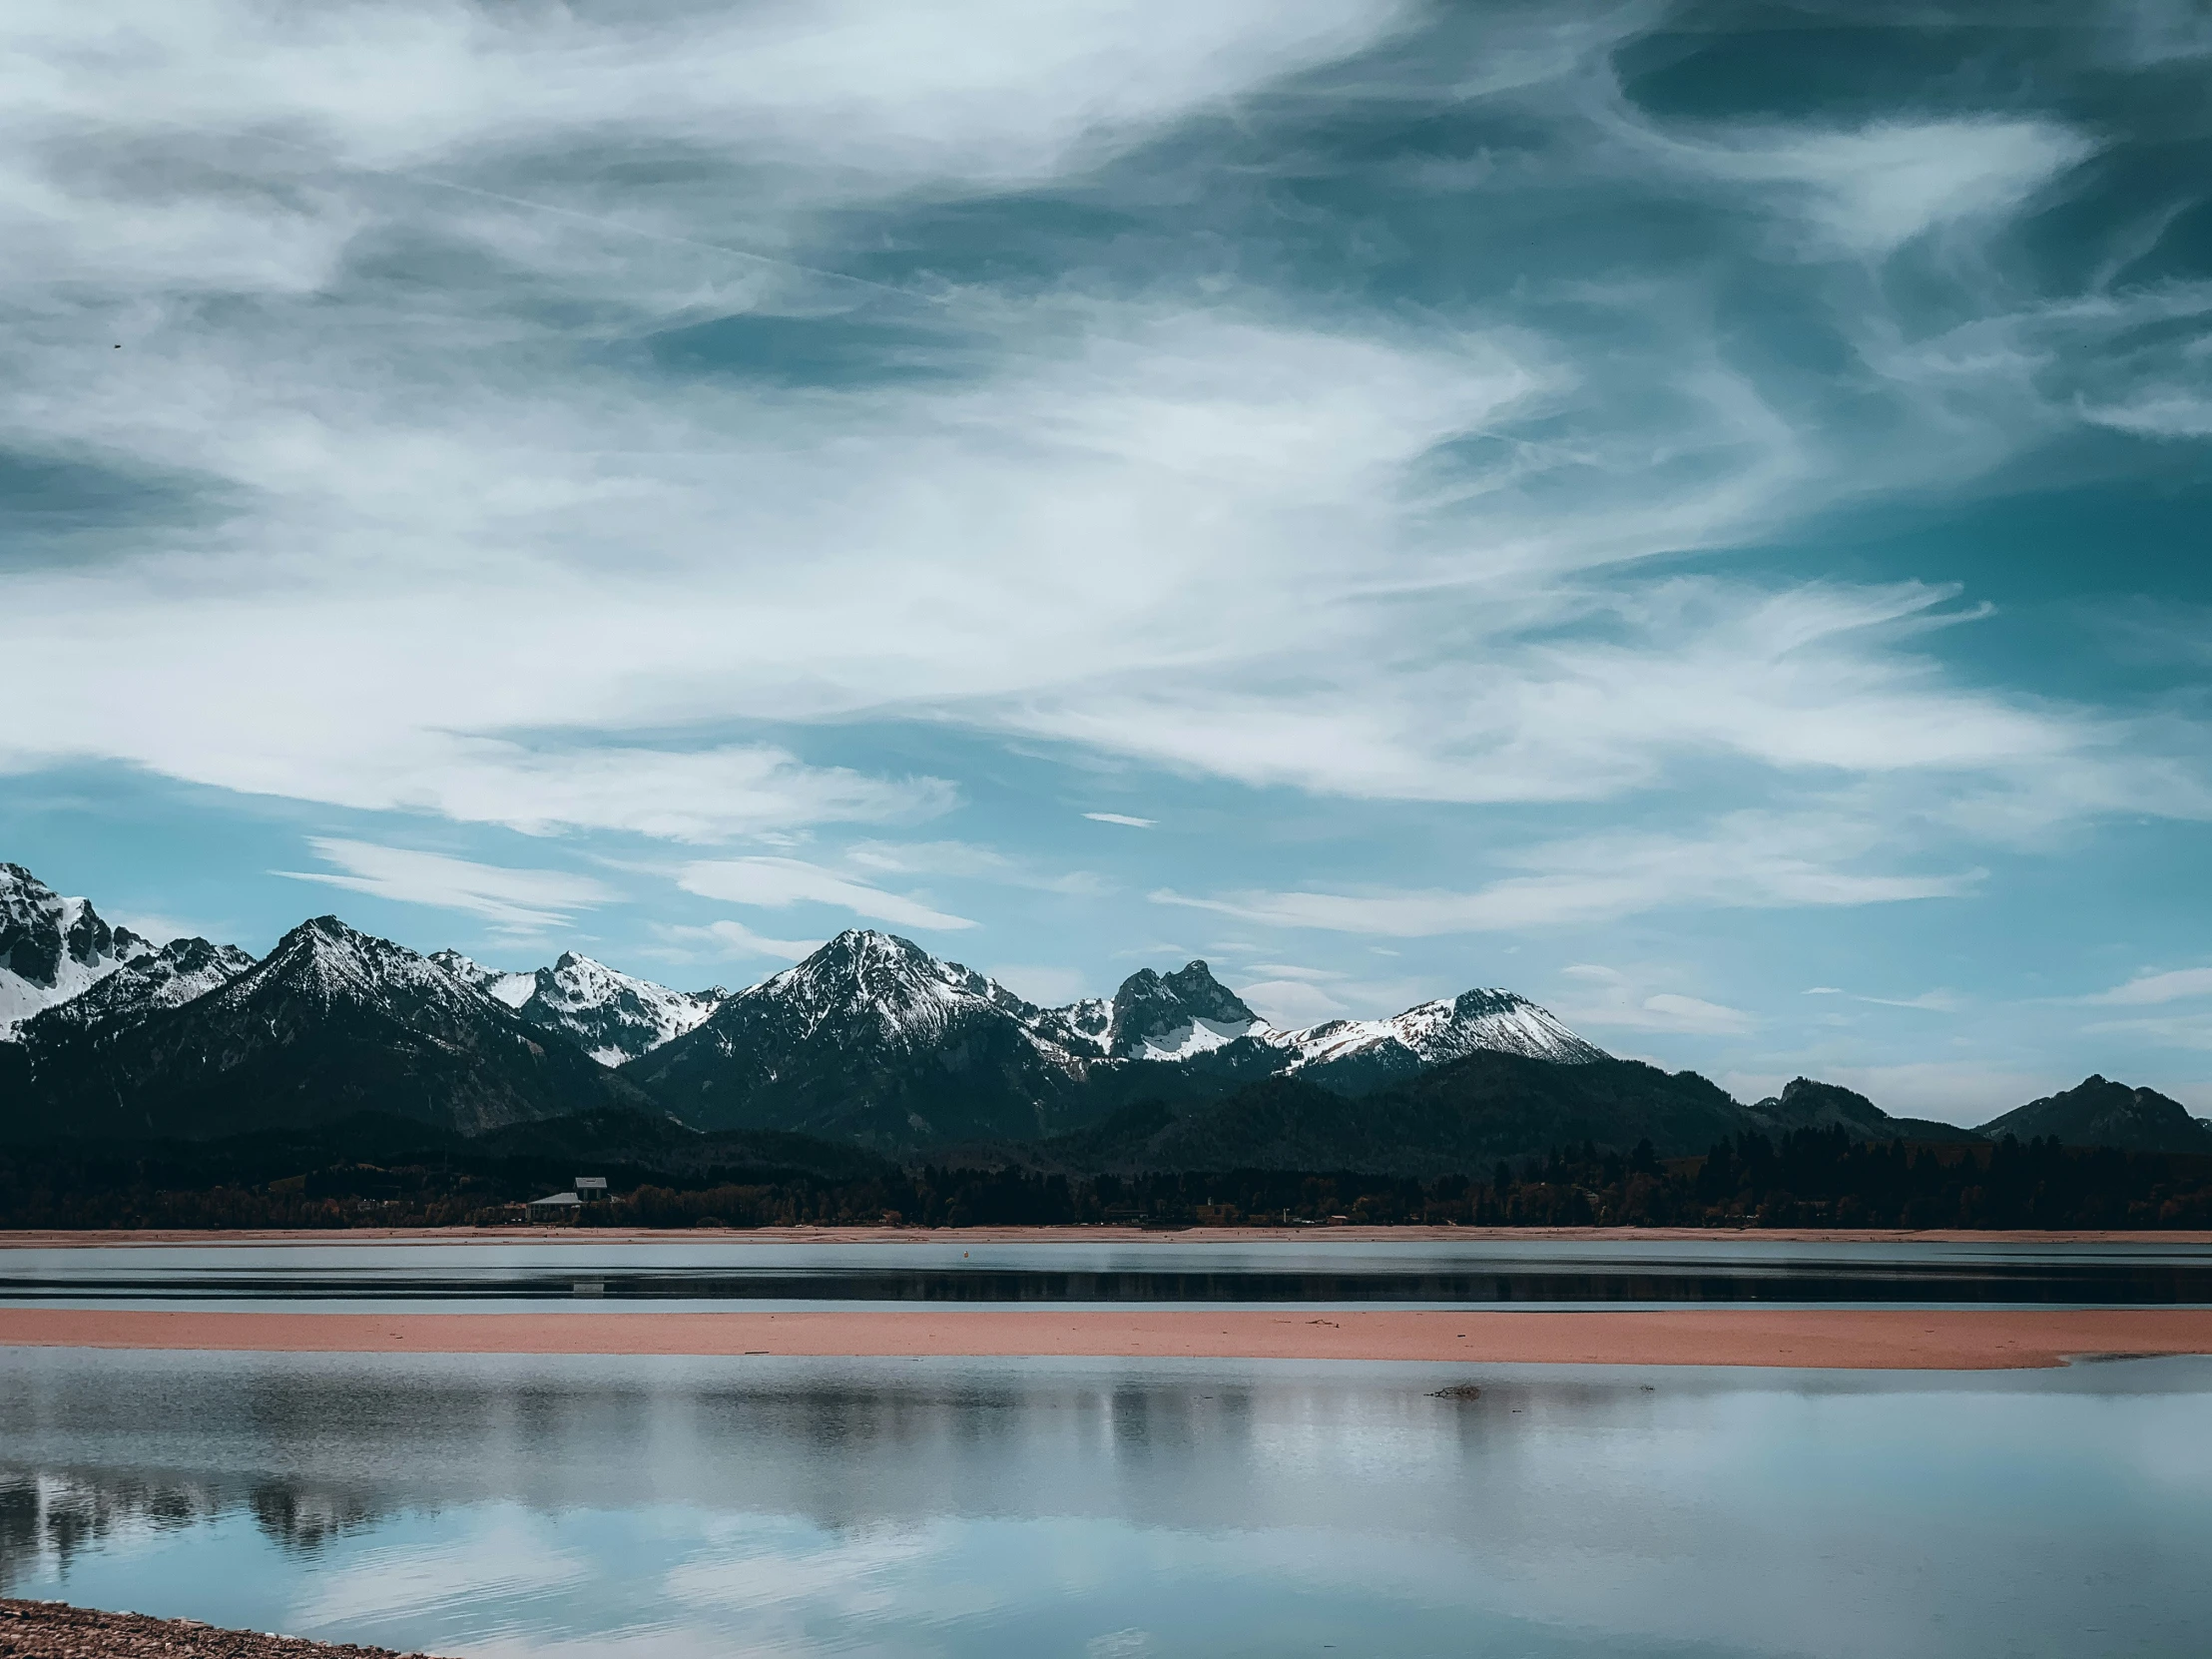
(1623, 1268)
(498, 1506)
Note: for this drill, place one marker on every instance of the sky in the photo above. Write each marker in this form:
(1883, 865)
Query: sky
(1695, 513)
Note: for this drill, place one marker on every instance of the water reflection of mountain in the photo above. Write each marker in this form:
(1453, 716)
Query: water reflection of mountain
(310, 1450)
(49, 1518)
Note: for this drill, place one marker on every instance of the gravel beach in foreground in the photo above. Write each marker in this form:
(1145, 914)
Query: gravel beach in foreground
(56, 1630)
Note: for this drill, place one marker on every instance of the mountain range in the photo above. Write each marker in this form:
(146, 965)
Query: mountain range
(870, 1043)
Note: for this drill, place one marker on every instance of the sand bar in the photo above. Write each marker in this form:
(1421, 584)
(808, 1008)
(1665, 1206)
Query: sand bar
(1885, 1339)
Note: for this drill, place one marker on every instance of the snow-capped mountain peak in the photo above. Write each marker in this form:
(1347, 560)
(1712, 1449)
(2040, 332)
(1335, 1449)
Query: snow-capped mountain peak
(910, 996)
(873, 1036)
(322, 960)
(168, 978)
(614, 1016)
(52, 949)
(1430, 1033)
(1172, 1016)
(511, 989)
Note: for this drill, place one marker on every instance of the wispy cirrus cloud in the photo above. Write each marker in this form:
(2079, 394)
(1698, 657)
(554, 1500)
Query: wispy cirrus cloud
(1749, 861)
(1606, 998)
(515, 901)
(967, 861)
(2152, 988)
(727, 939)
(778, 883)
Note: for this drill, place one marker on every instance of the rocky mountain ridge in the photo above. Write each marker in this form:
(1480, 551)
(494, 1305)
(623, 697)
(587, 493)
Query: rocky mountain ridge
(870, 1043)
(613, 1016)
(2099, 1112)
(52, 949)
(331, 1022)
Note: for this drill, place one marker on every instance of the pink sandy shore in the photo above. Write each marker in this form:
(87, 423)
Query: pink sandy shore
(612, 1236)
(1970, 1339)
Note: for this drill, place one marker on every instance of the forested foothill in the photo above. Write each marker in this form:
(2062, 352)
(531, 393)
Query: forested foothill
(389, 1172)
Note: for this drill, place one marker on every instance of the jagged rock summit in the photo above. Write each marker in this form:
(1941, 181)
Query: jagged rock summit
(52, 949)
(168, 978)
(2099, 1112)
(613, 1016)
(873, 1038)
(1171, 1017)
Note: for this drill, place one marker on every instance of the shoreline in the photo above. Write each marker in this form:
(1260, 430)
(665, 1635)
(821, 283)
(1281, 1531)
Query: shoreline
(60, 1628)
(1970, 1339)
(115, 1238)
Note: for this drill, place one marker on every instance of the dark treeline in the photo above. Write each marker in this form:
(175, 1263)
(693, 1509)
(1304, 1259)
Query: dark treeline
(1812, 1178)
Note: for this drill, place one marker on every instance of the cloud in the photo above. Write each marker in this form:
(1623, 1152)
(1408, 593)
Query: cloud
(1582, 694)
(1934, 1002)
(2180, 1030)
(518, 900)
(1744, 861)
(734, 939)
(967, 861)
(1870, 190)
(1122, 818)
(160, 929)
(779, 882)
(2157, 416)
(1611, 999)
(2158, 988)
(1292, 1003)
(1046, 986)
(1291, 970)
(1222, 526)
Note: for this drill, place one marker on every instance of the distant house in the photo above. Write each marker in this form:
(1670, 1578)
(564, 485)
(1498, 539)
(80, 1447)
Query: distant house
(591, 1189)
(554, 1204)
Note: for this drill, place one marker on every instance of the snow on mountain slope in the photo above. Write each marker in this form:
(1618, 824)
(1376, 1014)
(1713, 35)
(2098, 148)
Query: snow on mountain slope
(325, 961)
(52, 949)
(1092, 1017)
(872, 1038)
(615, 1016)
(172, 977)
(1175, 1017)
(332, 1022)
(909, 997)
(511, 989)
(1432, 1033)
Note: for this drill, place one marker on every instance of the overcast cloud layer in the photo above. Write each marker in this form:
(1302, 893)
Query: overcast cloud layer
(1693, 513)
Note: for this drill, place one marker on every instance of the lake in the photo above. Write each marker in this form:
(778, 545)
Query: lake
(508, 1505)
(576, 1506)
